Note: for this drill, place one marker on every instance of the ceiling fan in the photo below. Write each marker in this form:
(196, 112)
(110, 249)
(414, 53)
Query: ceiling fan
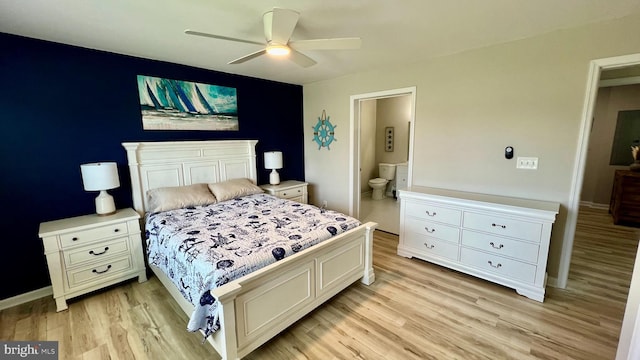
(279, 24)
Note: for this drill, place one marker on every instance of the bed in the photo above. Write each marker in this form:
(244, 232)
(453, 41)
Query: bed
(255, 307)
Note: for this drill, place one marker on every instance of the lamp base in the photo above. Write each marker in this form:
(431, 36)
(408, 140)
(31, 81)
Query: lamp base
(274, 177)
(105, 204)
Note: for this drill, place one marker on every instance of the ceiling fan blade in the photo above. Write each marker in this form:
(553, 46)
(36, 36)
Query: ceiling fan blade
(301, 59)
(327, 44)
(279, 24)
(248, 57)
(198, 33)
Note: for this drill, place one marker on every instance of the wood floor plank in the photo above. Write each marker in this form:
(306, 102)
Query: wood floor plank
(414, 310)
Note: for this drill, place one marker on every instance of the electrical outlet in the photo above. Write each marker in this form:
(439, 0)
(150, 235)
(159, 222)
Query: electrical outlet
(530, 163)
(324, 204)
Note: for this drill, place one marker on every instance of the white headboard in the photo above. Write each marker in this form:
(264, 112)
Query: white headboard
(177, 163)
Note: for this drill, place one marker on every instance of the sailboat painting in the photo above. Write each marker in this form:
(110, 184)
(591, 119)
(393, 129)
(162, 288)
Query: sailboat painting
(168, 104)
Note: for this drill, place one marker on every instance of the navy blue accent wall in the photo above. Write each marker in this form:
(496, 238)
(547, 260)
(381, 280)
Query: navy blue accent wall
(62, 106)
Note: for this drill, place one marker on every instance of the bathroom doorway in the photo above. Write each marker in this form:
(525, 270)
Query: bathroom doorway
(382, 129)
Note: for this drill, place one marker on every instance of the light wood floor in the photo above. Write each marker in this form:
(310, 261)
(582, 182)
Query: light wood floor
(414, 310)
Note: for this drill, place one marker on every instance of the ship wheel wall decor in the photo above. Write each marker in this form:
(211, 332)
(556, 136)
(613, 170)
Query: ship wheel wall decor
(324, 131)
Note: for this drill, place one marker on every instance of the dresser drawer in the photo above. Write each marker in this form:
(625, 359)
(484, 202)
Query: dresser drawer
(503, 226)
(99, 271)
(503, 267)
(96, 252)
(433, 213)
(501, 246)
(89, 235)
(432, 229)
(431, 246)
(289, 193)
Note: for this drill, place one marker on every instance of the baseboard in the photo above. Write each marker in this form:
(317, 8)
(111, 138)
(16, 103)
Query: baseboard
(594, 205)
(552, 281)
(26, 297)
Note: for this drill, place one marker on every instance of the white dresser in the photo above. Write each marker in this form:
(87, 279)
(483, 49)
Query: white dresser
(89, 252)
(500, 239)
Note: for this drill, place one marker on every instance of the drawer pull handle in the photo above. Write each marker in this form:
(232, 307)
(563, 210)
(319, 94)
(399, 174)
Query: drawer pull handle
(100, 253)
(101, 272)
(429, 246)
(75, 238)
(430, 214)
(430, 231)
(498, 225)
(284, 194)
(498, 266)
(116, 230)
(496, 247)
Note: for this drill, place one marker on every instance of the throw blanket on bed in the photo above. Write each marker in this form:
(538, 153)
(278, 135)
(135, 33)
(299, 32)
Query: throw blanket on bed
(203, 247)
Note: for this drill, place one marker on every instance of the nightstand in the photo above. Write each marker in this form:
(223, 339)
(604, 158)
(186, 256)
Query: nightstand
(290, 189)
(90, 252)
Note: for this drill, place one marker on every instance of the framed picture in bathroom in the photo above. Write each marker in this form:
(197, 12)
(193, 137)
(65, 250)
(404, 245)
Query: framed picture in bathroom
(388, 139)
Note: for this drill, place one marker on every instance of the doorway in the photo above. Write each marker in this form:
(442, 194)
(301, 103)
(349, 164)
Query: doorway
(595, 70)
(630, 321)
(357, 109)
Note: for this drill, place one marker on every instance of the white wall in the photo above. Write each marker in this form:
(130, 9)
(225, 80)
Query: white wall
(528, 94)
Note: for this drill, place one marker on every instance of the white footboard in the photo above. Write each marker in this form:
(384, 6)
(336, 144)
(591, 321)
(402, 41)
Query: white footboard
(256, 307)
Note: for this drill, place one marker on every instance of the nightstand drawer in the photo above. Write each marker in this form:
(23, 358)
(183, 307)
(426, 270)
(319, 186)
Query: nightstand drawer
(290, 190)
(96, 252)
(98, 272)
(89, 235)
(289, 193)
(299, 199)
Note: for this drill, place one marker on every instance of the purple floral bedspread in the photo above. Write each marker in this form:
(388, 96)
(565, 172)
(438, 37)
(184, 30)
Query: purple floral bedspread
(203, 247)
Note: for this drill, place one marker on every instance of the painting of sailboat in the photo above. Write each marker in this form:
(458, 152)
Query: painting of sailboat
(168, 104)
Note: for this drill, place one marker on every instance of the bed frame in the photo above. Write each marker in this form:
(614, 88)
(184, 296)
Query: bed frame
(258, 306)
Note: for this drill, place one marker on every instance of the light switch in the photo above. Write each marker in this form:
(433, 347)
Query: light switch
(530, 163)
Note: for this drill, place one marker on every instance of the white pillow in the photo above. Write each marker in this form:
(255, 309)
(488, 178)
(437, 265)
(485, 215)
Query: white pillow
(235, 188)
(177, 197)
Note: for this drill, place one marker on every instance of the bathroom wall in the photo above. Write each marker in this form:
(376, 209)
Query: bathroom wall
(393, 112)
(368, 164)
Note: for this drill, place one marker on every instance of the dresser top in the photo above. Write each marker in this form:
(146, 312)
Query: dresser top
(84, 221)
(628, 173)
(454, 195)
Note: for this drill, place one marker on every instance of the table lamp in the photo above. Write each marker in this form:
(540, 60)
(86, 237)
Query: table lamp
(273, 161)
(101, 177)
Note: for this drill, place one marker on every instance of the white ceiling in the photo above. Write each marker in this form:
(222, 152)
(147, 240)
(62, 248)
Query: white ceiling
(393, 33)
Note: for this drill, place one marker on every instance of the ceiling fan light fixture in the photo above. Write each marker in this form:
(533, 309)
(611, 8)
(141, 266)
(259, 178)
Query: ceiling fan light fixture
(278, 50)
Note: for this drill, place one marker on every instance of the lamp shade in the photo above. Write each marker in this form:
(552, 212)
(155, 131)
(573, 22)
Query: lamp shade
(100, 176)
(273, 160)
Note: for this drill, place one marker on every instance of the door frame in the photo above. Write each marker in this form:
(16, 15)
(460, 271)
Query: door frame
(595, 68)
(354, 134)
(631, 323)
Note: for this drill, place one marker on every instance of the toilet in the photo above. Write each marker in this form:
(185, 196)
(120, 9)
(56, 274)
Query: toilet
(386, 173)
